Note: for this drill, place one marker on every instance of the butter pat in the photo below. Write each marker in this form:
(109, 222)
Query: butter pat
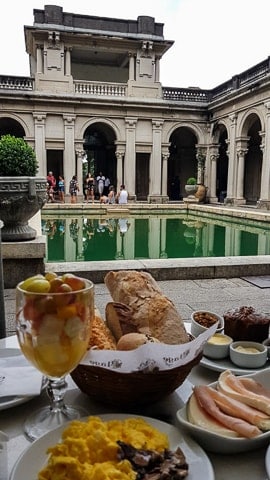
(219, 339)
(247, 349)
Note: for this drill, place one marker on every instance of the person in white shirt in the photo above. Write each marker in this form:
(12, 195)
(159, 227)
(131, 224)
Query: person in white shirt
(100, 183)
(107, 183)
(122, 196)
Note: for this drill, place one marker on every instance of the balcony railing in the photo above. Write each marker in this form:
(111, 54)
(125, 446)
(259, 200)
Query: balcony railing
(15, 83)
(251, 76)
(186, 94)
(100, 88)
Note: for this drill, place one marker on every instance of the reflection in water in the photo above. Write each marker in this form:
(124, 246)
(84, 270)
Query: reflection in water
(87, 238)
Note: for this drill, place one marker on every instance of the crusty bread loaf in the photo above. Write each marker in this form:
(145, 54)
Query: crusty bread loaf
(149, 309)
(101, 337)
(119, 319)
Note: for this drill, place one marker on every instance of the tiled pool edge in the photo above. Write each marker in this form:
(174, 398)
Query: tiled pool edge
(172, 269)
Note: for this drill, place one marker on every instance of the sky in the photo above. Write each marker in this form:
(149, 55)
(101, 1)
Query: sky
(213, 39)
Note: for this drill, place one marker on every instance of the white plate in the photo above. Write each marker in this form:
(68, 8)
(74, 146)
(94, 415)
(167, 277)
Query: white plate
(226, 364)
(34, 457)
(11, 401)
(267, 462)
(218, 443)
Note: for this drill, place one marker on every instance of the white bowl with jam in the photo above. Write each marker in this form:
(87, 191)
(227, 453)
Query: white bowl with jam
(248, 354)
(201, 320)
(217, 346)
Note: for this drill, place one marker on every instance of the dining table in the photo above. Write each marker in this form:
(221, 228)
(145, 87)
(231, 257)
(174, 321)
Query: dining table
(248, 465)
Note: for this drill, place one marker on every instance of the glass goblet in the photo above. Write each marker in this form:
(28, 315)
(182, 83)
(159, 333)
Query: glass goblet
(53, 330)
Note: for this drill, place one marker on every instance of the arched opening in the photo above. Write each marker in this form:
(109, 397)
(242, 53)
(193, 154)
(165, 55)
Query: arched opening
(12, 127)
(222, 164)
(253, 163)
(99, 145)
(182, 162)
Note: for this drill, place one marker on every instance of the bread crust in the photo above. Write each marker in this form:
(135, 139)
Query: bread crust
(150, 310)
(101, 336)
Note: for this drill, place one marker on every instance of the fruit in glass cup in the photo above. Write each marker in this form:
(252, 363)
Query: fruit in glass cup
(54, 322)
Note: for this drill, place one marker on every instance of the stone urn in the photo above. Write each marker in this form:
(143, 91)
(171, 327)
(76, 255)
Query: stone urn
(20, 199)
(191, 190)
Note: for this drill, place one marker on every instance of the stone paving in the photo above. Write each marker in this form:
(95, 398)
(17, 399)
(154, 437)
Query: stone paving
(217, 295)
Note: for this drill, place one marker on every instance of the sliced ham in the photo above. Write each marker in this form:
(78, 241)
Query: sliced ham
(255, 387)
(231, 385)
(233, 407)
(240, 426)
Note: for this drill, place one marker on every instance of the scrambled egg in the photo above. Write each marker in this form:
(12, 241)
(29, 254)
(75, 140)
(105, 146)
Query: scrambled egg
(88, 450)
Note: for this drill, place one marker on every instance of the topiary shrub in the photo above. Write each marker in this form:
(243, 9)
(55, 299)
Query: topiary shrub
(191, 181)
(17, 158)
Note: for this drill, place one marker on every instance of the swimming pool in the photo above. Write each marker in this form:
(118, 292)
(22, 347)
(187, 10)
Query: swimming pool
(80, 237)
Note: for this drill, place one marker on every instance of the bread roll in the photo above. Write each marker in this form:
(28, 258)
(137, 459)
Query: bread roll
(150, 311)
(130, 341)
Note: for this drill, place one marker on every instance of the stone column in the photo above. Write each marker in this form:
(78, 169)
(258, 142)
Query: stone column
(40, 146)
(119, 169)
(68, 61)
(69, 166)
(79, 169)
(264, 201)
(212, 187)
(131, 66)
(232, 165)
(157, 69)
(39, 59)
(213, 179)
(201, 157)
(155, 163)
(164, 187)
(130, 157)
(241, 152)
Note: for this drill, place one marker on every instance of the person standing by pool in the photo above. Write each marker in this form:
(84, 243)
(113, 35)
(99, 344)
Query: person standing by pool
(107, 183)
(100, 183)
(122, 195)
(111, 195)
(90, 182)
(51, 183)
(73, 189)
(61, 189)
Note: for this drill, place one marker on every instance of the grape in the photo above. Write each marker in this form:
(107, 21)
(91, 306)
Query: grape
(37, 285)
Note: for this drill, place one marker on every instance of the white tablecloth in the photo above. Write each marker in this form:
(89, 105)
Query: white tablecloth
(250, 466)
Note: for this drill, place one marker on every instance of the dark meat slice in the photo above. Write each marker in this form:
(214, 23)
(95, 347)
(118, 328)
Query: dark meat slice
(151, 465)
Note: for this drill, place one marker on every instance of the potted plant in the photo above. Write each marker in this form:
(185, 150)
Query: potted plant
(22, 193)
(191, 186)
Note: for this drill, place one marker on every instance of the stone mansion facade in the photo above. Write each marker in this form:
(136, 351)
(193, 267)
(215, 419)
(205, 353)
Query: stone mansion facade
(94, 102)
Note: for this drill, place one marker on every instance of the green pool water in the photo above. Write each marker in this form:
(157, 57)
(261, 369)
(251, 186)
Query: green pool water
(73, 238)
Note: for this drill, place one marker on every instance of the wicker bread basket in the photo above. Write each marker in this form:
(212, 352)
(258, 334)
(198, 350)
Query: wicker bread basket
(127, 389)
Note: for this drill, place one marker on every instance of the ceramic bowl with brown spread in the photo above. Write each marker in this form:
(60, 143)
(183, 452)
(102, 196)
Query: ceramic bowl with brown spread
(201, 320)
